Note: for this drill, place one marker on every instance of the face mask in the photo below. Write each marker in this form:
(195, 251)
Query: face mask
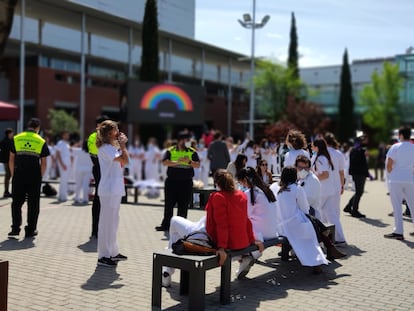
(188, 144)
(243, 188)
(302, 174)
(201, 146)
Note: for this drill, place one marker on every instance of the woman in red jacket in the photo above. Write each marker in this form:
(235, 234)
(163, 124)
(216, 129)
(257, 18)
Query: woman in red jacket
(226, 221)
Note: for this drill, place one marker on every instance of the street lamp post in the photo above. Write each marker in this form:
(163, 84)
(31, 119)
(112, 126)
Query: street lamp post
(249, 22)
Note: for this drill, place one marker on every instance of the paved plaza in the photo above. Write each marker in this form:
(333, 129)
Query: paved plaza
(57, 270)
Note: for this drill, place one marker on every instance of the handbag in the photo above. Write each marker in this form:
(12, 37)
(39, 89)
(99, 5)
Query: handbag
(195, 243)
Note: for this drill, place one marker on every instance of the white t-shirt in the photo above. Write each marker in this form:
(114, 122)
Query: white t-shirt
(63, 147)
(338, 160)
(262, 215)
(403, 156)
(112, 178)
(312, 188)
(321, 165)
(82, 160)
(291, 155)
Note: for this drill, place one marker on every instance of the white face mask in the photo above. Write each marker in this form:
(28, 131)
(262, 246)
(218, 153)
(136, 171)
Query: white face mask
(302, 174)
(187, 144)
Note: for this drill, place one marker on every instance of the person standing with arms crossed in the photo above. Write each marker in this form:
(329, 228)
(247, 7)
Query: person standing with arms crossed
(399, 165)
(93, 153)
(27, 165)
(181, 161)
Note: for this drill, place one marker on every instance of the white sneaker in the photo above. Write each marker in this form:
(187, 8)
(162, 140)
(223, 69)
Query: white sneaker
(166, 279)
(244, 268)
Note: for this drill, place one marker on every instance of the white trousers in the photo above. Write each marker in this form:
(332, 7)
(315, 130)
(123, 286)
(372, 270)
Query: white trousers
(136, 169)
(330, 212)
(179, 228)
(82, 181)
(398, 192)
(63, 184)
(108, 225)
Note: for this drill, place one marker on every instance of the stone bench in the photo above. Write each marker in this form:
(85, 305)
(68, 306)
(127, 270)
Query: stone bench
(193, 273)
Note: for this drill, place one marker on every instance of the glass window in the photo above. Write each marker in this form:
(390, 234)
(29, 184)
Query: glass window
(109, 48)
(31, 27)
(52, 36)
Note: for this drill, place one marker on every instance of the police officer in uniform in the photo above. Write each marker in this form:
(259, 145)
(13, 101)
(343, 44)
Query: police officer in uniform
(27, 165)
(181, 160)
(96, 171)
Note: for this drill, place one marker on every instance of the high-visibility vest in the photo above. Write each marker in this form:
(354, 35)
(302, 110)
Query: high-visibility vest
(28, 143)
(92, 149)
(177, 154)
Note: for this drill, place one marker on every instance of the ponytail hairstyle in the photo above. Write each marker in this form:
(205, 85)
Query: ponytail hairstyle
(322, 150)
(288, 177)
(103, 130)
(253, 180)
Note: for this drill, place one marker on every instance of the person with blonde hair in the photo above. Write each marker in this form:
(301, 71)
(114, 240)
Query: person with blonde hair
(112, 156)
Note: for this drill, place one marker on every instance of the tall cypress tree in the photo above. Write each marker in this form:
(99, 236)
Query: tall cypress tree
(149, 70)
(346, 122)
(293, 50)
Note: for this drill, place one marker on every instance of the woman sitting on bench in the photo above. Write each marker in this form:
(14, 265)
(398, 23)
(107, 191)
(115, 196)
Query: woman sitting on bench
(261, 209)
(226, 221)
(292, 206)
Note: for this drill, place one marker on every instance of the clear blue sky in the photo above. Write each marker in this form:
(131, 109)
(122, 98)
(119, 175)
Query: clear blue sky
(368, 28)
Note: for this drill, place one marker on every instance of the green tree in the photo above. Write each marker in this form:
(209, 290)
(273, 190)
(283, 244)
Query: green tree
(380, 101)
(293, 56)
(149, 70)
(346, 120)
(271, 83)
(6, 21)
(60, 120)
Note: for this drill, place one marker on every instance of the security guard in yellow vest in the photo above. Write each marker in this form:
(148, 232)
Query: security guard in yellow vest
(181, 161)
(27, 165)
(96, 171)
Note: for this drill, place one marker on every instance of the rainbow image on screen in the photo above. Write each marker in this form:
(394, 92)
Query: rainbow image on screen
(166, 92)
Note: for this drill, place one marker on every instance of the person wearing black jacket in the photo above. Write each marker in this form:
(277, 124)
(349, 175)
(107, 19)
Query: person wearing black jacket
(358, 169)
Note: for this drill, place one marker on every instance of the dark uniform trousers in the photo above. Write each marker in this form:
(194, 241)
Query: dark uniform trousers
(96, 204)
(22, 186)
(180, 192)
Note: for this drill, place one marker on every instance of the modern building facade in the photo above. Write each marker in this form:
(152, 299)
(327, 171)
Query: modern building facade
(76, 54)
(76, 57)
(324, 82)
(175, 16)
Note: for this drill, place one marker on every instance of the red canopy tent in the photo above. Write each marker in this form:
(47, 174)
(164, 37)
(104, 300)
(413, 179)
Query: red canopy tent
(9, 112)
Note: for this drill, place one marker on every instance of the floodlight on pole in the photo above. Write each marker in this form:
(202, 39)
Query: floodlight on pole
(249, 22)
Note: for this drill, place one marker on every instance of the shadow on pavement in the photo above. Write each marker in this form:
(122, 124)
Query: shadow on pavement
(408, 243)
(90, 246)
(351, 250)
(247, 294)
(102, 278)
(15, 244)
(374, 222)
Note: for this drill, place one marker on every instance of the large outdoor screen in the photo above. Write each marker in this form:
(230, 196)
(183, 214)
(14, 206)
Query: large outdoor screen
(165, 103)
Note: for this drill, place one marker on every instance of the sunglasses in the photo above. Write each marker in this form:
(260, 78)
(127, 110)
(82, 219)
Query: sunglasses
(263, 164)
